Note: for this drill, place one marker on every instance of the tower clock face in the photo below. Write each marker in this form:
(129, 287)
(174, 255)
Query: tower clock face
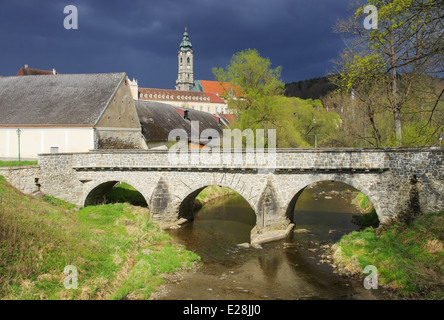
(188, 53)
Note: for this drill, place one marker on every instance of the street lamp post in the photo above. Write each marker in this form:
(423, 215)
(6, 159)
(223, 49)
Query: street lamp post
(18, 142)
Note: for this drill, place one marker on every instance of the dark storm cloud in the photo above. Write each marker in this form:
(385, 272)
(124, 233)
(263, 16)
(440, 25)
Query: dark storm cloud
(142, 37)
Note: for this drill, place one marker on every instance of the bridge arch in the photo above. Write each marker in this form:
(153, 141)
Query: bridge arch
(97, 192)
(355, 183)
(185, 209)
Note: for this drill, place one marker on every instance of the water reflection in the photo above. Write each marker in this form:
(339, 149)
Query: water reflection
(326, 209)
(218, 228)
(286, 269)
(270, 266)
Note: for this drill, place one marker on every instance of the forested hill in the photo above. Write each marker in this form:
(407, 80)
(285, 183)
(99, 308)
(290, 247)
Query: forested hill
(309, 89)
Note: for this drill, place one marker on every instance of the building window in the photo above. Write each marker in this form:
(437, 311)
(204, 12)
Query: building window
(188, 60)
(54, 149)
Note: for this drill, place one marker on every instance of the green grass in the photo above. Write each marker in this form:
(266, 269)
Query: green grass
(213, 192)
(369, 217)
(117, 251)
(16, 163)
(409, 258)
(58, 202)
(123, 192)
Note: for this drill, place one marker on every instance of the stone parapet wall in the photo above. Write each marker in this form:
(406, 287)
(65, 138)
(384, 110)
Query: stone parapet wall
(423, 162)
(24, 178)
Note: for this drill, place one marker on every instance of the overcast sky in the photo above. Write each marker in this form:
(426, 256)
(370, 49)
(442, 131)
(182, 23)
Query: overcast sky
(142, 37)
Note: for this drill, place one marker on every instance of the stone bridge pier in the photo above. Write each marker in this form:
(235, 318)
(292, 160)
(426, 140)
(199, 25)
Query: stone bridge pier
(400, 183)
(170, 195)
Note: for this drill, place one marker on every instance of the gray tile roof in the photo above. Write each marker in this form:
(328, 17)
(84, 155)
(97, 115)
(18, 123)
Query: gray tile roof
(158, 119)
(69, 99)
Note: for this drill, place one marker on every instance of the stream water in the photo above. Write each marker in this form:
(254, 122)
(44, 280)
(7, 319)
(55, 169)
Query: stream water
(288, 269)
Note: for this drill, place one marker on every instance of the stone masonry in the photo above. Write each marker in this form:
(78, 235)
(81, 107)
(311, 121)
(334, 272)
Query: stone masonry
(400, 183)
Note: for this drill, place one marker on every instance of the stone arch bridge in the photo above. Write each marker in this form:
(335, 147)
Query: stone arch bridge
(400, 183)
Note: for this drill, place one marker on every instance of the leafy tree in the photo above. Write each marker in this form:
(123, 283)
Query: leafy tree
(408, 42)
(316, 126)
(263, 106)
(254, 75)
(258, 107)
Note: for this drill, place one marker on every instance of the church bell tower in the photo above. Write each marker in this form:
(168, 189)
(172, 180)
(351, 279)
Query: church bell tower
(185, 78)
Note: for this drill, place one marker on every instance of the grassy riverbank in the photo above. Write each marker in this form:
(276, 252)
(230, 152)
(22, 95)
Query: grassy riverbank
(16, 163)
(211, 193)
(368, 216)
(409, 258)
(117, 252)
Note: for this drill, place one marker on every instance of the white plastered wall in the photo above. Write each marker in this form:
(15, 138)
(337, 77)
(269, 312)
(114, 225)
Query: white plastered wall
(40, 140)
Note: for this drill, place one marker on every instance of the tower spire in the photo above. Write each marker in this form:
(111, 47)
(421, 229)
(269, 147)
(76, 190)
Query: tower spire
(185, 77)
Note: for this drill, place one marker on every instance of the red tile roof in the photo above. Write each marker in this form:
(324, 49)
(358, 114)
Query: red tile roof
(177, 95)
(33, 72)
(220, 88)
(231, 118)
